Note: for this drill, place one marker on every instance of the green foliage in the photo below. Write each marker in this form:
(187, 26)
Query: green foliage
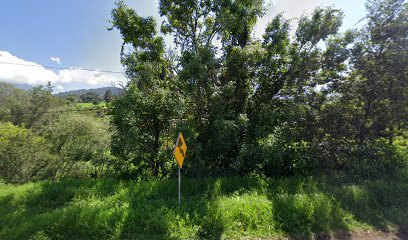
(240, 215)
(236, 20)
(322, 23)
(39, 106)
(12, 100)
(141, 140)
(108, 96)
(90, 97)
(262, 106)
(83, 106)
(23, 155)
(142, 31)
(318, 103)
(379, 58)
(401, 145)
(211, 208)
(72, 98)
(190, 21)
(142, 116)
(31, 109)
(77, 138)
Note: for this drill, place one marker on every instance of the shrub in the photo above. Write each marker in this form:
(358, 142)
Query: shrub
(24, 156)
(79, 139)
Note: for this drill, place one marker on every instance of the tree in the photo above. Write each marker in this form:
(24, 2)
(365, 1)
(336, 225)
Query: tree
(13, 102)
(32, 109)
(190, 21)
(90, 97)
(77, 138)
(72, 98)
(284, 107)
(108, 96)
(203, 77)
(142, 116)
(265, 104)
(235, 20)
(380, 60)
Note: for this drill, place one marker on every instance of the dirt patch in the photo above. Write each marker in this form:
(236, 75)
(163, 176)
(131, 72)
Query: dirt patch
(400, 233)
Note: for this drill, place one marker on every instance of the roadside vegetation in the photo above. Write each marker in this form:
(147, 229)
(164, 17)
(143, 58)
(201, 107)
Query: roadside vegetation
(212, 208)
(299, 133)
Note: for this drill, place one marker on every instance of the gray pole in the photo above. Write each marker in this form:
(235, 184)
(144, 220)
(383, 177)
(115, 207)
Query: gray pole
(179, 185)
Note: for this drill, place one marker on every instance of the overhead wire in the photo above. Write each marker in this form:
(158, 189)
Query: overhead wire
(66, 68)
(62, 68)
(63, 111)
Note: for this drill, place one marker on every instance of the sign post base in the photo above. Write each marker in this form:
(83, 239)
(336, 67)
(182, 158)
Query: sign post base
(179, 186)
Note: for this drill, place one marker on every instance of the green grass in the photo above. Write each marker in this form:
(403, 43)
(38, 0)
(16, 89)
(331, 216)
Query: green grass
(89, 105)
(211, 208)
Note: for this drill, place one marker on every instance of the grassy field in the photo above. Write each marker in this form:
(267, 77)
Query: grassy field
(211, 208)
(90, 105)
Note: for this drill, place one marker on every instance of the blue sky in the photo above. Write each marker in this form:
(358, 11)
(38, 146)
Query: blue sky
(73, 34)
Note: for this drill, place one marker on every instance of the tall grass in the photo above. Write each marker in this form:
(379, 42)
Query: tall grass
(211, 208)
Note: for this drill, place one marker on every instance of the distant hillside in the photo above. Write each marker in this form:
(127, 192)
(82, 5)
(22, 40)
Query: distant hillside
(23, 86)
(99, 91)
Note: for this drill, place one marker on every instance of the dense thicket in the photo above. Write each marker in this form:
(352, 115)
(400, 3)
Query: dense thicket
(24, 156)
(44, 137)
(297, 102)
(304, 101)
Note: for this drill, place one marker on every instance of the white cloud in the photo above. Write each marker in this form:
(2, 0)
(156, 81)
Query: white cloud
(16, 70)
(291, 9)
(59, 88)
(56, 59)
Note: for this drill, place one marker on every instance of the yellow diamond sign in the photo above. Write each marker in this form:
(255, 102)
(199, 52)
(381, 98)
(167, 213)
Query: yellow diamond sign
(180, 150)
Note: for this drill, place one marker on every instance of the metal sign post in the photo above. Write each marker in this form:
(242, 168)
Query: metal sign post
(179, 186)
(180, 151)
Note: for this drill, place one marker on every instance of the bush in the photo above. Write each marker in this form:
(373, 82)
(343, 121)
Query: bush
(23, 155)
(78, 140)
(360, 161)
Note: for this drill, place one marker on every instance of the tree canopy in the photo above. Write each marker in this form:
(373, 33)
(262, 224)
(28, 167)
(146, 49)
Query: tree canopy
(315, 101)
